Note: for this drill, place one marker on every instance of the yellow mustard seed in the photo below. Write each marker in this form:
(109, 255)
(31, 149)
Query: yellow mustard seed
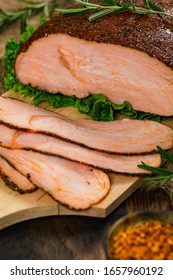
(152, 240)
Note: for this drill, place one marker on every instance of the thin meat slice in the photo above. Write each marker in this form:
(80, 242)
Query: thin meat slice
(123, 56)
(122, 136)
(14, 179)
(75, 185)
(16, 139)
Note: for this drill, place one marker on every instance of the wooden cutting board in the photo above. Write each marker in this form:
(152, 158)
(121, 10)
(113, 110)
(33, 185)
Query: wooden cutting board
(15, 207)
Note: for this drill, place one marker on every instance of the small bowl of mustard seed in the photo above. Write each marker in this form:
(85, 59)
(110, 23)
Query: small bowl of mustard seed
(142, 236)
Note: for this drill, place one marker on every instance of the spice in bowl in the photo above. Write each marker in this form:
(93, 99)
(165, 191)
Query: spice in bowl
(151, 240)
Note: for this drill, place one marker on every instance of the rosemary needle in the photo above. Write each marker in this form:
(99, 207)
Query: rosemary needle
(24, 14)
(98, 10)
(162, 175)
(112, 6)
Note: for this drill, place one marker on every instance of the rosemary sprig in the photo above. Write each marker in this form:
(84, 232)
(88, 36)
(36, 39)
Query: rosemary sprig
(24, 14)
(112, 6)
(162, 175)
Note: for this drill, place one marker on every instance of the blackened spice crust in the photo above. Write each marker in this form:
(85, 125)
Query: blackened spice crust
(151, 33)
(12, 185)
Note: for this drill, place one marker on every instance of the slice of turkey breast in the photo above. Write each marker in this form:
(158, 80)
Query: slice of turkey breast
(122, 136)
(75, 185)
(125, 57)
(14, 179)
(16, 139)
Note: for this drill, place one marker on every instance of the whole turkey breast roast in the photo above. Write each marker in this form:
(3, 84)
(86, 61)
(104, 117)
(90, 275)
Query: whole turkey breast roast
(125, 57)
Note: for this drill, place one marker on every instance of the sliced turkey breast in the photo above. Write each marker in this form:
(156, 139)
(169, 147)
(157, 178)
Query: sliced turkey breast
(122, 136)
(16, 139)
(14, 179)
(76, 185)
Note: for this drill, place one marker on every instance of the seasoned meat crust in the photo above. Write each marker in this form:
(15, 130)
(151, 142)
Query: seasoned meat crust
(14, 179)
(152, 33)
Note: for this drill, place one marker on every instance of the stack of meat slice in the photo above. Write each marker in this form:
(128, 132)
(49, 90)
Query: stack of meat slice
(70, 159)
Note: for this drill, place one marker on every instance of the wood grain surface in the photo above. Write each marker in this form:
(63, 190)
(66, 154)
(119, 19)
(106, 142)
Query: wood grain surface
(68, 237)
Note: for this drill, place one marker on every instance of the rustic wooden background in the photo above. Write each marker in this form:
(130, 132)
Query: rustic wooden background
(66, 237)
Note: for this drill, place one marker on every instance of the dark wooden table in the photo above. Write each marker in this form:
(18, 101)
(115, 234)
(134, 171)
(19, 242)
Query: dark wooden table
(67, 237)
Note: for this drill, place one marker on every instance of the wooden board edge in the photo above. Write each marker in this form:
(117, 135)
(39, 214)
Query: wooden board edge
(123, 197)
(28, 214)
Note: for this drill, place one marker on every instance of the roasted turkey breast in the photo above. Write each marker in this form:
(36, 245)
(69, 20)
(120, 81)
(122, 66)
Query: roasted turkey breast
(121, 136)
(125, 57)
(17, 139)
(75, 185)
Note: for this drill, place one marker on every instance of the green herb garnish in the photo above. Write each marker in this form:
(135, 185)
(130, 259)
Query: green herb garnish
(24, 14)
(31, 8)
(116, 7)
(161, 176)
